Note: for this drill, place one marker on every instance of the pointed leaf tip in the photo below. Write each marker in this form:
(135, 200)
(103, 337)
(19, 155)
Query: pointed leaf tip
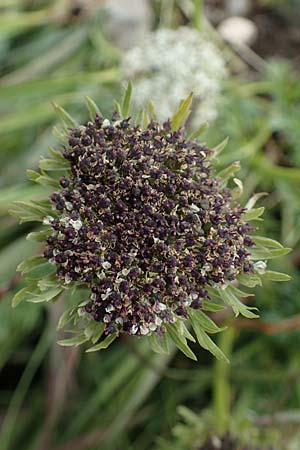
(64, 116)
(125, 107)
(92, 107)
(182, 114)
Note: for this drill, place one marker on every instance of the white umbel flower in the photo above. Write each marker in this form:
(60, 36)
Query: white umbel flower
(169, 64)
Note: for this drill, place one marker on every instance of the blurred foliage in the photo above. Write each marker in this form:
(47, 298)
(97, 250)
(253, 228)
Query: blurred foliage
(127, 397)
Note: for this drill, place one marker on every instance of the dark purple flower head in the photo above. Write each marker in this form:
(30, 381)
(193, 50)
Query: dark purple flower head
(144, 224)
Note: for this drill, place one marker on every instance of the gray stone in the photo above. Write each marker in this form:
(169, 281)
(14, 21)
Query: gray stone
(128, 21)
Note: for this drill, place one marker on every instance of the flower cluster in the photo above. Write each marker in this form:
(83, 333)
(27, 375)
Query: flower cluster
(169, 64)
(143, 223)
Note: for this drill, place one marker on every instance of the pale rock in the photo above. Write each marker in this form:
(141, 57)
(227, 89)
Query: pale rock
(128, 21)
(238, 31)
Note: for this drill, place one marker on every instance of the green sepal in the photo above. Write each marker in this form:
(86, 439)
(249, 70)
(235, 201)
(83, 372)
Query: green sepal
(118, 108)
(33, 294)
(66, 317)
(49, 282)
(257, 253)
(228, 172)
(92, 107)
(41, 272)
(31, 263)
(21, 295)
(230, 299)
(214, 292)
(252, 201)
(185, 332)
(238, 190)
(253, 214)
(94, 331)
(262, 241)
(60, 135)
(211, 306)
(47, 181)
(74, 341)
(45, 296)
(276, 276)
(205, 341)
(65, 117)
(37, 268)
(103, 344)
(160, 344)
(49, 165)
(240, 293)
(205, 322)
(29, 211)
(56, 154)
(32, 175)
(39, 236)
(179, 340)
(249, 280)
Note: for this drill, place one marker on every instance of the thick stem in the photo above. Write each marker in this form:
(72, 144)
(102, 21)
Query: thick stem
(221, 383)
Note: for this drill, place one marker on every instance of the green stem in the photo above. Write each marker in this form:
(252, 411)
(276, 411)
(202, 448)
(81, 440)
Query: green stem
(166, 13)
(221, 382)
(198, 14)
(11, 417)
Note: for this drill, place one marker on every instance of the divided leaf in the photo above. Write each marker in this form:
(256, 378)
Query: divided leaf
(180, 340)
(207, 324)
(237, 306)
(205, 341)
(160, 344)
(103, 344)
(74, 341)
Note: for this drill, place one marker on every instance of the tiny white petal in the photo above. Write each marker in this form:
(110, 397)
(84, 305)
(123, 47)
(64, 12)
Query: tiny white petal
(134, 329)
(106, 123)
(48, 220)
(68, 279)
(76, 224)
(109, 308)
(144, 330)
(158, 321)
(260, 267)
(162, 306)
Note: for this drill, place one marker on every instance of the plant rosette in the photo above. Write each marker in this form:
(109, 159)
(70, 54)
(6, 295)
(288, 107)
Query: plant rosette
(140, 234)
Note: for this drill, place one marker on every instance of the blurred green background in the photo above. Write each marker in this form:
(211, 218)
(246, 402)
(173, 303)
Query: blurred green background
(127, 398)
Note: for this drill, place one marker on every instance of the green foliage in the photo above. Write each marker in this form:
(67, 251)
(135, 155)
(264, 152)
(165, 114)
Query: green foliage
(127, 396)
